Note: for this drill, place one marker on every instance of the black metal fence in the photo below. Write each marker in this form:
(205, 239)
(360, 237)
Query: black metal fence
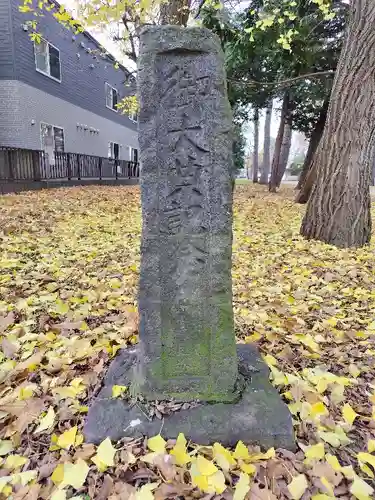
(34, 165)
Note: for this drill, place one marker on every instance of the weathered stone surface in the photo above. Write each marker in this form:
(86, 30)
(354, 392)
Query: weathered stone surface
(259, 417)
(187, 344)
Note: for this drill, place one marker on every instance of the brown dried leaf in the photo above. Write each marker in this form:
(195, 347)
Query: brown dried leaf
(85, 452)
(31, 412)
(166, 466)
(46, 470)
(6, 321)
(9, 348)
(105, 489)
(261, 492)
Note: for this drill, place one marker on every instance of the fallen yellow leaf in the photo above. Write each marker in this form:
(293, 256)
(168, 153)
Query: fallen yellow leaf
(118, 390)
(361, 490)
(298, 486)
(47, 421)
(349, 414)
(74, 474)
(242, 487)
(105, 455)
(157, 444)
(241, 451)
(67, 438)
(205, 467)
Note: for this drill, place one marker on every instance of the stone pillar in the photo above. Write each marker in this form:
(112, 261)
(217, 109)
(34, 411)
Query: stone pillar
(185, 137)
(187, 345)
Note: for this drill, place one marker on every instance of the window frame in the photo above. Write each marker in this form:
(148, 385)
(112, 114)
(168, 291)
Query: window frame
(105, 92)
(46, 73)
(53, 126)
(131, 149)
(111, 146)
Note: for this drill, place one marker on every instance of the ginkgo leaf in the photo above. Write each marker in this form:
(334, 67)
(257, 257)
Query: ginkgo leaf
(242, 487)
(24, 477)
(248, 468)
(15, 461)
(67, 438)
(315, 452)
(371, 445)
(241, 451)
(47, 421)
(366, 458)
(327, 485)
(298, 486)
(179, 451)
(6, 447)
(157, 444)
(318, 409)
(205, 467)
(105, 455)
(270, 360)
(216, 482)
(349, 414)
(58, 474)
(361, 490)
(118, 390)
(145, 492)
(223, 457)
(59, 495)
(197, 479)
(75, 474)
(333, 462)
(354, 371)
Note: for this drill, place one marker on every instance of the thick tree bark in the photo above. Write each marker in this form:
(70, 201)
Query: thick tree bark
(267, 146)
(284, 152)
(279, 140)
(307, 176)
(175, 12)
(338, 210)
(256, 146)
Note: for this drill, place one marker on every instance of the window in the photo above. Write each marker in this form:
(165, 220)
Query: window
(47, 59)
(52, 140)
(133, 116)
(113, 150)
(111, 97)
(133, 153)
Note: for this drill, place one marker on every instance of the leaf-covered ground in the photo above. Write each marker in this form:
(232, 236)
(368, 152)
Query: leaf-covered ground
(69, 262)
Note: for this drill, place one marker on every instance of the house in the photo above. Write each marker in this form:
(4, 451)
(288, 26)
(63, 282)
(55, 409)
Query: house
(60, 94)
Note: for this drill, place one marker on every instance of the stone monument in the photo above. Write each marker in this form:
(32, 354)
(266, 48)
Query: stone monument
(187, 349)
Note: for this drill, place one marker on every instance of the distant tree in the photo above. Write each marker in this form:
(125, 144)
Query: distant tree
(239, 144)
(256, 146)
(266, 164)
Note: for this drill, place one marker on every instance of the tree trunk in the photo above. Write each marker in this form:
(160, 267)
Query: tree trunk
(175, 12)
(267, 146)
(284, 152)
(256, 146)
(338, 210)
(279, 140)
(305, 187)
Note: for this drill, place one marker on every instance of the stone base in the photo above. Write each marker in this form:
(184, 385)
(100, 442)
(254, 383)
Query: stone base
(260, 417)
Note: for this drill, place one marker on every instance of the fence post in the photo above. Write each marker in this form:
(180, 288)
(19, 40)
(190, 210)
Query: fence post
(35, 158)
(100, 168)
(69, 166)
(78, 166)
(116, 167)
(10, 165)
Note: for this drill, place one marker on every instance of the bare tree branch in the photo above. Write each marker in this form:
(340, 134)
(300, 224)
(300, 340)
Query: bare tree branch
(281, 83)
